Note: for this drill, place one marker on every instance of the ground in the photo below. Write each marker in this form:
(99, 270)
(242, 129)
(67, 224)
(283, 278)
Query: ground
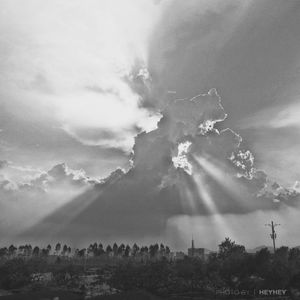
(43, 295)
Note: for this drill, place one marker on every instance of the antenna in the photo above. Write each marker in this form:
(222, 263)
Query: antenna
(193, 246)
(273, 234)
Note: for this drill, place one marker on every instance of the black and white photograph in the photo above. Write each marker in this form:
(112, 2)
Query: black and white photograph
(149, 149)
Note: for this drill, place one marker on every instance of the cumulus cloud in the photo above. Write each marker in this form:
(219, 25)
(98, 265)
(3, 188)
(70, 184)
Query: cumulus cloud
(278, 193)
(38, 195)
(296, 186)
(58, 175)
(195, 115)
(182, 167)
(6, 184)
(89, 92)
(61, 175)
(243, 160)
(106, 119)
(181, 161)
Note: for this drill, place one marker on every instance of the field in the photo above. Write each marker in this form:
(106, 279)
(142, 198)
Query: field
(43, 295)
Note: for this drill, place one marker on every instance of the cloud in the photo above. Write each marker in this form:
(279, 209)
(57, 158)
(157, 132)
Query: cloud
(61, 175)
(243, 49)
(3, 164)
(278, 193)
(181, 161)
(38, 195)
(288, 116)
(196, 115)
(244, 160)
(110, 120)
(196, 46)
(296, 186)
(178, 168)
(278, 116)
(6, 184)
(47, 79)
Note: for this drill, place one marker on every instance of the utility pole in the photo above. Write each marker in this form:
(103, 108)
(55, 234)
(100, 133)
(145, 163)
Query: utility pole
(273, 234)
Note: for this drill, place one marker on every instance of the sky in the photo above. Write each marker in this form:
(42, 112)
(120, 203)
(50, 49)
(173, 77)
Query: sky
(144, 120)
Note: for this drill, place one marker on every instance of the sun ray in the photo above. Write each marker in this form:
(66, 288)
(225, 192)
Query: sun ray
(216, 217)
(216, 170)
(56, 221)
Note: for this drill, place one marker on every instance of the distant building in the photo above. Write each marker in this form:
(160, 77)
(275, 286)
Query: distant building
(201, 253)
(179, 255)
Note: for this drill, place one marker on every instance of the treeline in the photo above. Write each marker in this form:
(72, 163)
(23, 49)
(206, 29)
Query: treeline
(95, 249)
(126, 251)
(229, 268)
(28, 250)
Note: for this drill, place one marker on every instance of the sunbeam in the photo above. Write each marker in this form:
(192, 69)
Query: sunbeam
(225, 180)
(210, 205)
(56, 221)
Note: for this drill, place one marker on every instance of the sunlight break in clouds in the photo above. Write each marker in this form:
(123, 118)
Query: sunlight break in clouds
(72, 60)
(181, 160)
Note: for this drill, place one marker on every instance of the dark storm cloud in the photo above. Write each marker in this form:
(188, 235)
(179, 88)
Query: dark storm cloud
(249, 51)
(141, 201)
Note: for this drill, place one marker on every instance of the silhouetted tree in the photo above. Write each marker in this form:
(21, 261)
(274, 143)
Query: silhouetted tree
(65, 249)
(100, 250)
(153, 249)
(228, 248)
(108, 250)
(121, 249)
(282, 254)
(45, 252)
(57, 248)
(135, 249)
(3, 251)
(28, 250)
(12, 250)
(21, 249)
(36, 251)
(262, 262)
(115, 249)
(127, 251)
(81, 253)
(93, 249)
(294, 267)
(233, 262)
(278, 276)
(168, 251)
